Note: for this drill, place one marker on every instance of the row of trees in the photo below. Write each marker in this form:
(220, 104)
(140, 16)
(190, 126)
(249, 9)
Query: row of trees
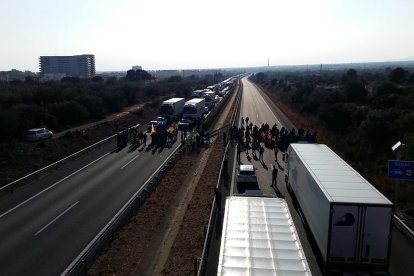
(71, 102)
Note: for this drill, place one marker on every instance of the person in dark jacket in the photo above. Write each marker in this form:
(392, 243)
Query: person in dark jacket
(274, 176)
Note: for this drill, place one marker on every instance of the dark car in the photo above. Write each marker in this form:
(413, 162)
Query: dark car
(185, 124)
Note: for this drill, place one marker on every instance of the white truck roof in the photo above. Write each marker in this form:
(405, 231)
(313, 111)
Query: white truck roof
(194, 101)
(173, 100)
(337, 179)
(259, 238)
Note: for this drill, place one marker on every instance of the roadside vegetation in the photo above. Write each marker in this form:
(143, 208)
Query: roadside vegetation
(71, 103)
(361, 115)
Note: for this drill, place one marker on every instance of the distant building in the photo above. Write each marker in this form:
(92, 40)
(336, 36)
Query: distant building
(82, 66)
(136, 67)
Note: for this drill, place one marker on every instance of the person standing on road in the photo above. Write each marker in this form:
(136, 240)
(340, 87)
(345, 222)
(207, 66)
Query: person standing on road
(144, 138)
(276, 151)
(274, 176)
(261, 151)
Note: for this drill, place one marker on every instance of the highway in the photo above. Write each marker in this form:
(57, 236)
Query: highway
(259, 108)
(45, 225)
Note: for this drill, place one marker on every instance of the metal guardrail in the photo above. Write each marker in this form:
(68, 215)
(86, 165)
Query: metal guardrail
(53, 165)
(85, 259)
(404, 228)
(11, 185)
(213, 211)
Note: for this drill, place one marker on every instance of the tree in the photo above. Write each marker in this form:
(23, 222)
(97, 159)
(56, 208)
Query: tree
(137, 75)
(98, 79)
(387, 89)
(411, 79)
(175, 78)
(350, 76)
(70, 79)
(131, 75)
(341, 117)
(398, 75)
(69, 112)
(259, 77)
(356, 92)
(380, 128)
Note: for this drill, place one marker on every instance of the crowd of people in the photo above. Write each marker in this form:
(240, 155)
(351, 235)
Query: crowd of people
(250, 136)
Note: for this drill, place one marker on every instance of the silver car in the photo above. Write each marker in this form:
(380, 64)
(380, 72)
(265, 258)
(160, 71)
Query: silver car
(37, 134)
(246, 174)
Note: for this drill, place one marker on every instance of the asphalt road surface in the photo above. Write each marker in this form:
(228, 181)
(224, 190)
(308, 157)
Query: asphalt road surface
(256, 105)
(45, 225)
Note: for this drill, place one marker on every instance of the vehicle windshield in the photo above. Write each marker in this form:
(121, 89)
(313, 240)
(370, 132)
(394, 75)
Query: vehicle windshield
(31, 132)
(166, 109)
(246, 172)
(189, 110)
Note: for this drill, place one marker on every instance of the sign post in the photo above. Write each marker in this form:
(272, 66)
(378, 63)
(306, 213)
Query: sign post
(400, 170)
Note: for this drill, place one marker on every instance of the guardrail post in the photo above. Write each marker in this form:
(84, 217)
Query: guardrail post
(196, 262)
(83, 266)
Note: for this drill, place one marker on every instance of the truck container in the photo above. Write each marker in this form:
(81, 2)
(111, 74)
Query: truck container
(349, 219)
(172, 108)
(194, 108)
(259, 238)
(197, 93)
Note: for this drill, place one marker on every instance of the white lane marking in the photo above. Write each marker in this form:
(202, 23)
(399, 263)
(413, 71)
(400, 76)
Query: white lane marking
(56, 218)
(50, 187)
(129, 162)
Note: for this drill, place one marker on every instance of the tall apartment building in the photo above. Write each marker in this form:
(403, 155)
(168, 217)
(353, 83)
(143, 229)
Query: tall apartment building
(82, 66)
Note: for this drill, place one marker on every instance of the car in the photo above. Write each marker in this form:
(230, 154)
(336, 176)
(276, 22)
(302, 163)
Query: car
(37, 134)
(185, 124)
(162, 121)
(246, 174)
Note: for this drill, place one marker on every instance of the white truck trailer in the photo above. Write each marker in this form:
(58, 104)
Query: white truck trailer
(259, 238)
(194, 108)
(172, 108)
(197, 93)
(349, 219)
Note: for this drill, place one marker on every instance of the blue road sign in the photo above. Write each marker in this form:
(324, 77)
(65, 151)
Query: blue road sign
(401, 170)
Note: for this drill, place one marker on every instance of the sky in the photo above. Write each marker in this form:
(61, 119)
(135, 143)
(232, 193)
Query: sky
(195, 34)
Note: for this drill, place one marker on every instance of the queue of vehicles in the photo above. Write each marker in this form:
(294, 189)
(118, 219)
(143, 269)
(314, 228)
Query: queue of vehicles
(189, 113)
